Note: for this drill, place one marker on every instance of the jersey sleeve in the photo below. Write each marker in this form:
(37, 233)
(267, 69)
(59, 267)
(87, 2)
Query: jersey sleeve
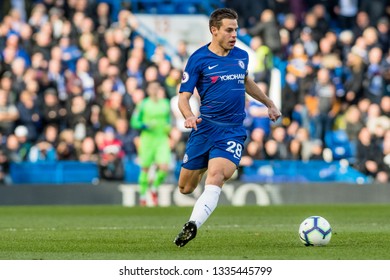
(136, 118)
(190, 75)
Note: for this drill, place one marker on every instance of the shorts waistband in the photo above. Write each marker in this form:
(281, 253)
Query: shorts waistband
(221, 123)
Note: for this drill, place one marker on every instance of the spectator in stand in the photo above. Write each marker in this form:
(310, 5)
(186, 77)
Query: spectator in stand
(291, 99)
(264, 60)
(254, 149)
(12, 41)
(316, 150)
(383, 175)
(66, 147)
(113, 74)
(182, 54)
(345, 43)
(117, 58)
(127, 22)
(351, 122)
(385, 106)
(279, 135)
(322, 17)
(267, 29)
(70, 53)
(8, 114)
(18, 68)
(296, 63)
(42, 151)
(383, 28)
(164, 67)
(370, 36)
(50, 135)
(30, 114)
(346, 12)
(134, 70)
(375, 119)
(102, 19)
(78, 116)
(291, 25)
(353, 77)
(303, 136)
(294, 150)
(150, 75)
(95, 122)
(127, 135)
(52, 111)
(87, 82)
(310, 22)
(111, 156)
(13, 149)
(103, 92)
(127, 99)
(8, 55)
(367, 153)
(57, 78)
(271, 150)
(172, 81)
(361, 22)
(88, 151)
(4, 167)
(24, 146)
(375, 9)
(326, 107)
(113, 109)
(306, 39)
(6, 85)
(373, 83)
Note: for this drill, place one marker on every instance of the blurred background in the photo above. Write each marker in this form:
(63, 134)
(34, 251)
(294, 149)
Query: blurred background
(73, 71)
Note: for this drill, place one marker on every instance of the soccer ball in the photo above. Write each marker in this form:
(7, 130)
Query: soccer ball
(315, 231)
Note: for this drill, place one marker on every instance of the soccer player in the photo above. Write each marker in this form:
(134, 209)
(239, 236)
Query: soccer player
(152, 117)
(219, 72)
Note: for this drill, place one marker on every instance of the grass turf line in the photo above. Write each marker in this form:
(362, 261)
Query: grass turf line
(250, 232)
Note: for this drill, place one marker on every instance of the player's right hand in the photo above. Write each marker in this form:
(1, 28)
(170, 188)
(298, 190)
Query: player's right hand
(192, 122)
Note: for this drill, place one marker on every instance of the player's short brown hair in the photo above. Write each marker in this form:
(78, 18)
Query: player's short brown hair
(218, 15)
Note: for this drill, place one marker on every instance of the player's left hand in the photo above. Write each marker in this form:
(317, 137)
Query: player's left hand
(274, 113)
(192, 122)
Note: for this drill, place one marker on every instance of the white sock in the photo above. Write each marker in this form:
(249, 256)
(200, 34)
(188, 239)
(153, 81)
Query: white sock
(205, 204)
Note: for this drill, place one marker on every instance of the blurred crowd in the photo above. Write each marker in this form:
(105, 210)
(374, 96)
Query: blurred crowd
(71, 76)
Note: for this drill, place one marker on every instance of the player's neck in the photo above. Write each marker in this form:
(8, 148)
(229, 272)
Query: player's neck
(218, 50)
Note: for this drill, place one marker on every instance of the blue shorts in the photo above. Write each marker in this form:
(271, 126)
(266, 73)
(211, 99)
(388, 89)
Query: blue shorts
(212, 140)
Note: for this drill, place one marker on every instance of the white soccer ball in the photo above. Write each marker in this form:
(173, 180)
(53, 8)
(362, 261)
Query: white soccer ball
(315, 231)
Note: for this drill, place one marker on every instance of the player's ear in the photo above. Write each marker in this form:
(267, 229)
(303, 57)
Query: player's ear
(213, 30)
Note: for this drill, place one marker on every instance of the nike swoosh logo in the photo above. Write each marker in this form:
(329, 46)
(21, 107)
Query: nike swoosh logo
(211, 67)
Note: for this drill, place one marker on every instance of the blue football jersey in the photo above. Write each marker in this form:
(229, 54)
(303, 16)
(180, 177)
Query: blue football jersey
(220, 81)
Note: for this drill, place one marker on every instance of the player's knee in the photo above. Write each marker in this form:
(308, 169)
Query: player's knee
(216, 178)
(186, 188)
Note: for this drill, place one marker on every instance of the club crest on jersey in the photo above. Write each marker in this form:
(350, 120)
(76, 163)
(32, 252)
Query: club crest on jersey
(185, 158)
(185, 77)
(241, 64)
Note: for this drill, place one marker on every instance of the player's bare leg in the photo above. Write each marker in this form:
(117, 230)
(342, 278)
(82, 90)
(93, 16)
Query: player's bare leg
(220, 170)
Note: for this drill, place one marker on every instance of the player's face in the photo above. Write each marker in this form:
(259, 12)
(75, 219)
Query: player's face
(226, 35)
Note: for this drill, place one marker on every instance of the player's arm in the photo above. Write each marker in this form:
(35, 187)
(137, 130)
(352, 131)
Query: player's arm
(191, 120)
(253, 90)
(137, 118)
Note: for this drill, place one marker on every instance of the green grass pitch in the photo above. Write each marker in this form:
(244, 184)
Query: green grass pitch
(241, 233)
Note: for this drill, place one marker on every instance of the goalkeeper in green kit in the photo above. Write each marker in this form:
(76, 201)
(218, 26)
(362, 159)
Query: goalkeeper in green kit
(152, 118)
